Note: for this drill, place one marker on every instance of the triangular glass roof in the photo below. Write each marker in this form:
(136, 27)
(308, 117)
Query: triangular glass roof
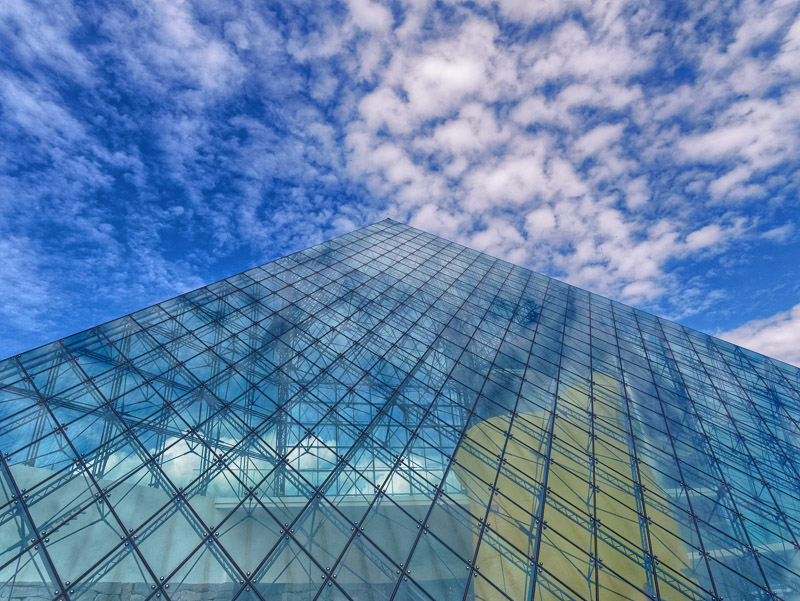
(389, 415)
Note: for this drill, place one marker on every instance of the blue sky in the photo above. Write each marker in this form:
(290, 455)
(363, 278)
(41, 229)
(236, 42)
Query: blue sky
(647, 151)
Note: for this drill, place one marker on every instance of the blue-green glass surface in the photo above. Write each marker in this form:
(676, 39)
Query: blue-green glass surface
(392, 416)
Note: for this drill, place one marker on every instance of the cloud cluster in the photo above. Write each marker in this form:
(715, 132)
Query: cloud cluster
(541, 150)
(775, 336)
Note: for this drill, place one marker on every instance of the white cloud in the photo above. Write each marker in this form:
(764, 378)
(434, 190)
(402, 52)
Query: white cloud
(758, 131)
(589, 54)
(540, 223)
(726, 185)
(37, 111)
(789, 57)
(776, 336)
(23, 278)
(598, 139)
(436, 83)
(704, 237)
(509, 182)
(370, 15)
(537, 110)
(500, 238)
(435, 78)
(43, 36)
(738, 119)
(637, 193)
(383, 108)
(164, 45)
(762, 23)
(474, 129)
(782, 233)
(432, 218)
(527, 11)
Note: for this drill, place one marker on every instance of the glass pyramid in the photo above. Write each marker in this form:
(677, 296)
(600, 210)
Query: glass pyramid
(390, 415)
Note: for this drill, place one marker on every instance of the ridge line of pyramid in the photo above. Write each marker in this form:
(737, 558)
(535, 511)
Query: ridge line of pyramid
(207, 284)
(416, 229)
(613, 300)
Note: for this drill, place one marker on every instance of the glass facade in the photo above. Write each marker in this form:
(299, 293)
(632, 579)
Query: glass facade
(390, 415)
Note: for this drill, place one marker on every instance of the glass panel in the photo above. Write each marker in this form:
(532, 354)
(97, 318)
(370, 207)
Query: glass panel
(289, 574)
(248, 534)
(365, 572)
(437, 569)
(89, 534)
(389, 415)
(205, 574)
(170, 537)
(119, 576)
(29, 576)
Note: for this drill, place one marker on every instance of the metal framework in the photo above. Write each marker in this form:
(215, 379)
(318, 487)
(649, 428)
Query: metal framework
(390, 415)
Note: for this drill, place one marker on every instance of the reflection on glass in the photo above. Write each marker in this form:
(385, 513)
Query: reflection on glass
(391, 416)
